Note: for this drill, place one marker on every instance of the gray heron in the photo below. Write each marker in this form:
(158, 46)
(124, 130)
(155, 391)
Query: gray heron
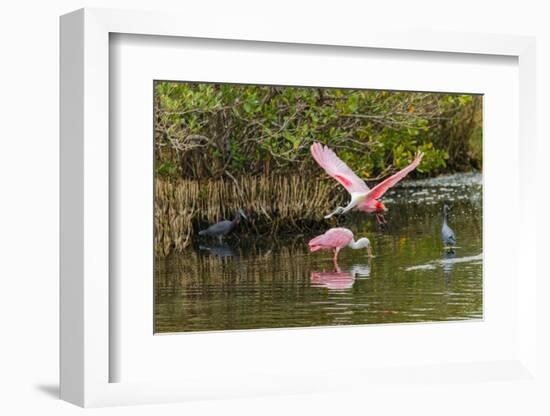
(222, 228)
(447, 234)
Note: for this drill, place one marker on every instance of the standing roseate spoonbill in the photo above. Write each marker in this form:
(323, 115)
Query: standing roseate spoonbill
(447, 235)
(222, 228)
(362, 197)
(336, 239)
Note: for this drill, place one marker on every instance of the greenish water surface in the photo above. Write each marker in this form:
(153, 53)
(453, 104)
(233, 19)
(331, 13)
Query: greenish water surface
(277, 283)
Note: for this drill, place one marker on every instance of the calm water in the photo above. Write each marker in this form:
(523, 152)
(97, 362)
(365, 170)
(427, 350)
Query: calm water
(277, 283)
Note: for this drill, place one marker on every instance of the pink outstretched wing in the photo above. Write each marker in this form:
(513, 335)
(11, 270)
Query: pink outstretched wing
(386, 184)
(336, 168)
(333, 238)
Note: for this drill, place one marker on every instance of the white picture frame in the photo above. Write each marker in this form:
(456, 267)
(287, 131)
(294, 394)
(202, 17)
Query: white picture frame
(86, 265)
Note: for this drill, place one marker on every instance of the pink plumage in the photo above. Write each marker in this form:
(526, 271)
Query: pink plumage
(337, 238)
(333, 239)
(334, 167)
(362, 198)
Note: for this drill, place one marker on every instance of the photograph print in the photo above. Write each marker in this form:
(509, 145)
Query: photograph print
(286, 207)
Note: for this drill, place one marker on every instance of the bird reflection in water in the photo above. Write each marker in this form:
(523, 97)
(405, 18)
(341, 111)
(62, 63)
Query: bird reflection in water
(219, 249)
(338, 279)
(448, 264)
(360, 271)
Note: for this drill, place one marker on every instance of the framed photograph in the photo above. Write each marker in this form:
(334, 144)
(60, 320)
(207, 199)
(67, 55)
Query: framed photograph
(245, 214)
(244, 194)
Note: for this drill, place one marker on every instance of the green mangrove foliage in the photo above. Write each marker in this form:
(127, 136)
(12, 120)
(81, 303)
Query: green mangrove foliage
(216, 130)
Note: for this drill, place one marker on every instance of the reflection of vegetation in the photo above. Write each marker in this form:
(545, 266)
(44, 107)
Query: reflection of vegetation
(178, 271)
(219, 147)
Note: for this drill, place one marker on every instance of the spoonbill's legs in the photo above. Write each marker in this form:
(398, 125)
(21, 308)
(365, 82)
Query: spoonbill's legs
(335, 258)
(381, 220)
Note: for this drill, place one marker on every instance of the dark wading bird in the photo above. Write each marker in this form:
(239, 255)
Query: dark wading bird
(222, 228)
(362, 197)
(447, 235)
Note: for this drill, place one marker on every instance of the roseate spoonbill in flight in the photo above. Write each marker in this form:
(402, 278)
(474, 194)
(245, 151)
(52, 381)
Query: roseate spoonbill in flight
(222, 228)
(337, 238)
(362, 197)
(447, 235)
